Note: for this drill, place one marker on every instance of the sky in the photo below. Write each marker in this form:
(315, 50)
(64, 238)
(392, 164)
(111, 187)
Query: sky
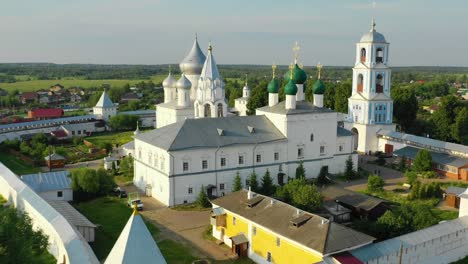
(420, 32)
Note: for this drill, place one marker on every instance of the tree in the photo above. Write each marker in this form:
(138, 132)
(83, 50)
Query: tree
(405, 106)
(258, 97)
(307, 197)
(19, 241)
(237, 183)
(253, 182)
(402, 164)
(123, 122)
(329, 97)
(202, 199)
(342, 93)
(444, 117)
(300, 171)
(268, 188)
(322, 177)
(126, 166)
(375, 183)
(349, 169)
(92, 182)
(423, 161)
(411, 177)
(460, 127)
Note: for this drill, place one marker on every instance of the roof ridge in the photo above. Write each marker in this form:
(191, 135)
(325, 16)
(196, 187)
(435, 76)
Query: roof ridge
(178, 132)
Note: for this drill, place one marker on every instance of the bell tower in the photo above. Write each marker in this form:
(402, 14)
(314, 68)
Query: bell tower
(370, 107)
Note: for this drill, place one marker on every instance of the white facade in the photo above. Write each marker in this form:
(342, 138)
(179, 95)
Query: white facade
(57, 195)
(240, 104)
(104, 108)
(370, 107)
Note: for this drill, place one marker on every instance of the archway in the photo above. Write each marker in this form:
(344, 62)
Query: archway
(363, 55)
(360, 83)
(379, 84)
(207, 110)
(379, 57)
(355, 138)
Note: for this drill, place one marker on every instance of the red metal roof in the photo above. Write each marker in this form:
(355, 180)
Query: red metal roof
(47, 112)
(29, 95)
(346, 258)
(59, 133)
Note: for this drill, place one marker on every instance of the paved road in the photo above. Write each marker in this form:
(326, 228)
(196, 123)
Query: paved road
(185, 227)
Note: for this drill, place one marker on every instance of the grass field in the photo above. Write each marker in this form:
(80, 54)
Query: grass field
(33, 85)
(119, 138)
(16, 165)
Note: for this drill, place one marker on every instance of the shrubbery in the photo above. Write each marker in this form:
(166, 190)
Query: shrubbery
(375, 183)
(89, 183)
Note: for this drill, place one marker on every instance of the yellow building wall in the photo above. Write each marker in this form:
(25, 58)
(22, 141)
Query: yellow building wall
(265, 241)
(230, 230)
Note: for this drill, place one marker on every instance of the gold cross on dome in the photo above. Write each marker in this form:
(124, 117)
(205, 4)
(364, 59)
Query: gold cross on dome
(291, 67)
(296, 49)
(319, 69)
(273, 67)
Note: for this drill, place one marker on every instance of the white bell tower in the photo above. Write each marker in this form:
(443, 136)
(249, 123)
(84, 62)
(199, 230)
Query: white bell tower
(370, 107)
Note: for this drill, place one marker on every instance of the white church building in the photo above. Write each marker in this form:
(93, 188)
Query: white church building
(197, 144)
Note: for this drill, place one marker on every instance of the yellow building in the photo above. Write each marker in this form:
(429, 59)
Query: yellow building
(269, 231)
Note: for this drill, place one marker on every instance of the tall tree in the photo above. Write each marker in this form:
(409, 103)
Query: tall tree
(300, 171)
(444, 117)
(202, 199)
(349, 169)
(423, 161)
(322, 177)
(460, 126)
(405, 107)
(268, 188)
(342, 93)
(258, 97)
(253, 182)
(237, 186)
(329, 96)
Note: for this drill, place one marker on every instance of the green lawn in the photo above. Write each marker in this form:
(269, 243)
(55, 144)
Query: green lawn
(119, 138)
(110, 214)
(15, 164)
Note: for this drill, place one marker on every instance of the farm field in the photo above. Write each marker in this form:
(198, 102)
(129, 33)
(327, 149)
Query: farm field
(119, 138)
(33, 85)
(17, 165)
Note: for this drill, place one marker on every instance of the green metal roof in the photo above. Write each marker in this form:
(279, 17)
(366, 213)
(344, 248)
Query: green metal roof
(437, 157)
(273, 86)
(290, 88)
(318, 87)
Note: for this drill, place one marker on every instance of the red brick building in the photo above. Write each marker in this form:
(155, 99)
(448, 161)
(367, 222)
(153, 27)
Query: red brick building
(55, 161)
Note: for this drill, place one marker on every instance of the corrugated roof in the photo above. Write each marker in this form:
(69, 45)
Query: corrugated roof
(48, 122)
(393, 245)
(135, 245)
(316, 233)
(455, 190)
(105, 101)
(54, 156)
(47, 112)
(48, 181)
(203, 133)
(423, 141)
(354, 199)
(138, 112)
(440, 158)
(302, 107)
(71, 214)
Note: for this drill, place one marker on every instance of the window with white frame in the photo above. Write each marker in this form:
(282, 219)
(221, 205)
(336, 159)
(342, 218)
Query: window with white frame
(204, 164)
(340, 148)
(300, 153)
(221, 186)
(223, 161)
(276, 156)
(185, 166)
(259, 158)
(322, 150)
(241, 159)
(190, 190)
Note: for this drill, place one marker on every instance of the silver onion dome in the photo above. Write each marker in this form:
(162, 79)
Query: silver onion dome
(373, 36)
(193, 62)
(183, 83)
(169, 82)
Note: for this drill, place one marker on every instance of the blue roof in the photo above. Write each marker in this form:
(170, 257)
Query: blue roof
(342, 132)
(44, 123)
(439, 158)
(138, 112)
(49, 181)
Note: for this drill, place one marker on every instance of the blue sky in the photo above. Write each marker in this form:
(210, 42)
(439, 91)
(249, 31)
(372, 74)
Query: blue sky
(421, 32)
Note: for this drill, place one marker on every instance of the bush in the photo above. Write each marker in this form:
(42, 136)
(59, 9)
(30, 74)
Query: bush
(300, 171)
(237, 186)
(425, 191)
(123, 122)
(411, 177)
(91, 182)
(322, 177)
(375, 183)
(299, 193)
(423, 161)
(349, 170)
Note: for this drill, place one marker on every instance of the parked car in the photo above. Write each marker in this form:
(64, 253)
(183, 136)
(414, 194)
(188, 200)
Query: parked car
(134, 199)
(120, 193)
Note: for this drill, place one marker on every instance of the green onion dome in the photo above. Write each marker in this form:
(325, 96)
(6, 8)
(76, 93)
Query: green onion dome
(290, 88)
(318, 87)
(299, 75)
(273, 86)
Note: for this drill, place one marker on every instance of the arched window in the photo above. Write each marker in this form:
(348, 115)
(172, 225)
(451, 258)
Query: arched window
(379, 57)
(379, 84)
(363, 55)
(220, 110)
(360, 86)
(311, 137)
(207, 111)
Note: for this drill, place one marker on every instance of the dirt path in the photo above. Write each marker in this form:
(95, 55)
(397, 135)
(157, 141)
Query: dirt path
(185, 227)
